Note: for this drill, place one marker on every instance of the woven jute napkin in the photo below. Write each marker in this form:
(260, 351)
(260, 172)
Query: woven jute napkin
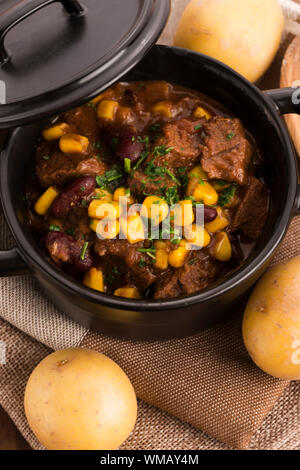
(201, 392)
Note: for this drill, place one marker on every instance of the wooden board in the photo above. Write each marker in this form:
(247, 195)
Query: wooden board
(290, 75)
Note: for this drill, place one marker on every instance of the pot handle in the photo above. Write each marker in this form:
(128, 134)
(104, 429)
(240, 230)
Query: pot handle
(287, 101)
(22, 10)
(11, 263)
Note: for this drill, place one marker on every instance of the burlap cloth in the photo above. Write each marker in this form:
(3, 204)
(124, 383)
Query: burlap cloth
(201, 392)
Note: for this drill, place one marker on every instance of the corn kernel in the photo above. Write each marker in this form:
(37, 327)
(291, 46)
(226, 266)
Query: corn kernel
(164, 108)
(106, 230)
(44, 202)
(94, 279)
(201, 112)
(161, 259)
(105, 95)
(183, 213)
(197, 236)
(98, 98)
(107, 109)
(219, 223)
(202, 192)
(56, 132)
(73, 143)
(104, 209)
(198, 172)
(133, 228)
(155, 208)
(128, 293)
(222, 248)
(103, 194)
(178, 257)
(160, 245)
(125, 193)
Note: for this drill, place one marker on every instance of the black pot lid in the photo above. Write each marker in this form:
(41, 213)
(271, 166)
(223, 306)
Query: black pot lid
(56, 54)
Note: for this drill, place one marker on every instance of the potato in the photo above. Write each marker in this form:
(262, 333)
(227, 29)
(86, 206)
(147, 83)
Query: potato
(271, 324)
(243, 34)
(77, 399)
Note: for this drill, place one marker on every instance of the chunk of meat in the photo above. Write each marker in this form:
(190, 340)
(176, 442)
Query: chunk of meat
(227, 153)
(83, 121)
(142, 184)
(141, 276)
(194, 276)
(182, 140)
(54, 167)
(252, 211)
(66, 252)
(198, 273)
(168, 286)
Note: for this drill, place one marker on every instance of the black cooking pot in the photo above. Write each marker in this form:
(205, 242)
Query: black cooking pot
(260, 113)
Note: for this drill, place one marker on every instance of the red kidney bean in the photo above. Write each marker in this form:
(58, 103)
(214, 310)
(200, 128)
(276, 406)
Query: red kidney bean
(209, 213)
(72, 195)
(65, 251)
(128, 145)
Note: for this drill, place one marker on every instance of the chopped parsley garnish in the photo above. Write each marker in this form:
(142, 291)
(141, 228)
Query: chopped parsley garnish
(92, 105)
(161, 150)
(142, 263)
(176, 241)
(198, 126)
(155, 128)
(114, 142)
(192, 261)
(169, 173)
(82, 188)
(154, 172)
(227, 196)
(97, 145)
(127, 165)
(45, 157)
(110, 176)
(148, 251)
(83, 251)
(83, 203)
(230, 136)
(144, 155)
(182, 175)
(54, 228)
(171, 196)
(221, 182)
(109, 279)
(70, 231)
(115, 270)
(143, 140)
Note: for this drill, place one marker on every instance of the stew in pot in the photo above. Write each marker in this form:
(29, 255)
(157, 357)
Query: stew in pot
(148, 191)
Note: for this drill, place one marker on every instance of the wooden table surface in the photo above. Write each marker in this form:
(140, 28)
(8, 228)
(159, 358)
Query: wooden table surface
(10, 438)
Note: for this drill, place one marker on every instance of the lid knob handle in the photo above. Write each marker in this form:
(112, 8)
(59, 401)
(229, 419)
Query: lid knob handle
(22, 10)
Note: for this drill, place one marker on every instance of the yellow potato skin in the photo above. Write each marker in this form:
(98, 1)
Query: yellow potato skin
(271, 323)
(243, 34)
(77, 399)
